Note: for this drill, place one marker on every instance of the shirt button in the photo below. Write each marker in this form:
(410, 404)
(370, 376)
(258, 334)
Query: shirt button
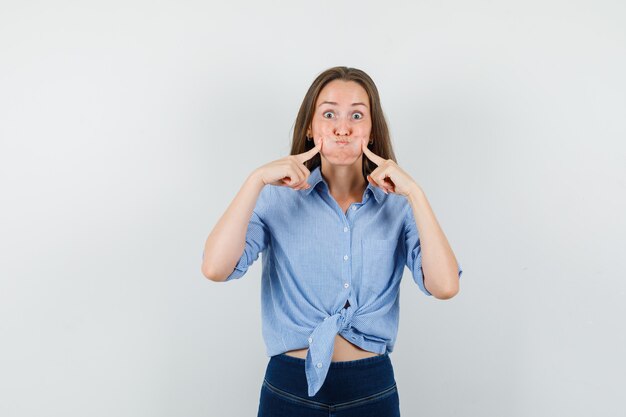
(346, 285)
(310, 340)
(319, 364)
(345, 229)
(345, 257)
(353, 207)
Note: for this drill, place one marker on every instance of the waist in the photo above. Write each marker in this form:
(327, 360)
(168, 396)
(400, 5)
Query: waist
(343, 351)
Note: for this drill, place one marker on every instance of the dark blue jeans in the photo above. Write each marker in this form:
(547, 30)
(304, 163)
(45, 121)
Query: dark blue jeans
(363, 387)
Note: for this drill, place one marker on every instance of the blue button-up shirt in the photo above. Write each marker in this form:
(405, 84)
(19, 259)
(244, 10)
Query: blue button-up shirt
(326, 272)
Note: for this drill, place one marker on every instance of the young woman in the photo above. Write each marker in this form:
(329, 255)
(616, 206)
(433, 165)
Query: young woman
(336, 221)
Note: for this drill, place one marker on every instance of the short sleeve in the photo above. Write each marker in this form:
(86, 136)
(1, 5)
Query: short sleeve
(414, 251)
(257, 235)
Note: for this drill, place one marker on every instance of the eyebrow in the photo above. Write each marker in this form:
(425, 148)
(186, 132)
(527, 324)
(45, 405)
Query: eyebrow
(332, 102)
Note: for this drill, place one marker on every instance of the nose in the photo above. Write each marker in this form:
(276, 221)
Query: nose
(342, 128)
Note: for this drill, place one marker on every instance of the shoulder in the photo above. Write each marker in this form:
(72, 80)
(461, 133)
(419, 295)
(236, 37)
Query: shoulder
(275, 197)
(397, 212)
(398, 205)
(264, 200)
(281, 195)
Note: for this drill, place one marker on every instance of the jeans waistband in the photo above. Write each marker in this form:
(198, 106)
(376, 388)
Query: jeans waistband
(345, 381)
(340, 364)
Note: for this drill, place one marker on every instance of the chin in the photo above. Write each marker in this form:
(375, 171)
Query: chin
(343, 161)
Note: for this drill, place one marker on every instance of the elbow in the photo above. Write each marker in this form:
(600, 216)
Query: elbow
(447, 292)
(213, 269)
(212, 275)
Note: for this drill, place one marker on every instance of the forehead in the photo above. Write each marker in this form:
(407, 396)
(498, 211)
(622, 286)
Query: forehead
(343, 92)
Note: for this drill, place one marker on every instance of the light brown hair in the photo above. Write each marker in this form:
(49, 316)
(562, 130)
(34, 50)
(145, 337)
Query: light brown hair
(379, 133)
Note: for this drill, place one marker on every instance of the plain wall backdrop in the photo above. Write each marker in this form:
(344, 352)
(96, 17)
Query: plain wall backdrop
(127, 128)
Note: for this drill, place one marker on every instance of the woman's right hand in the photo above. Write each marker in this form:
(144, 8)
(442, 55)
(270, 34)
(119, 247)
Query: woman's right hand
(290, 170)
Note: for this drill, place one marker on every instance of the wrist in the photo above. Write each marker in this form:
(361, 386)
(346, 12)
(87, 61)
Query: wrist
(415, 192)
(256, 178)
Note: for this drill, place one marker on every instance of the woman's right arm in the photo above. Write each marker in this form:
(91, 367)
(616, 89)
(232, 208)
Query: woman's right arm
(227, 240)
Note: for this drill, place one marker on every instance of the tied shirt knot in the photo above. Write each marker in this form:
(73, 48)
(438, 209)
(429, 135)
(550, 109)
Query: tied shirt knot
(321, 346)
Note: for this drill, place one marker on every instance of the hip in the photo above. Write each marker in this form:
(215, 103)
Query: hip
(350, 388)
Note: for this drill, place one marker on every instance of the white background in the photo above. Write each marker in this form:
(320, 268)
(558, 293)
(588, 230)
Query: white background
(127, 127)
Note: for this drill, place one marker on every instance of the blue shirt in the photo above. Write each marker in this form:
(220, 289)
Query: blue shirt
(326, 272)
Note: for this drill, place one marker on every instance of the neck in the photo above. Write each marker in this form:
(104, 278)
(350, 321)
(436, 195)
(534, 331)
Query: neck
(344, 180)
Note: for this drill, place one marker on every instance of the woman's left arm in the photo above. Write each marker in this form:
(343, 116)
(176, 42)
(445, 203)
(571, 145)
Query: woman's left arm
(441, 272)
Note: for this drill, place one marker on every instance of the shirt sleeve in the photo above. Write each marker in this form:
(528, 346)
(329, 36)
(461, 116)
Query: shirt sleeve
(257, 235)
(414, 251)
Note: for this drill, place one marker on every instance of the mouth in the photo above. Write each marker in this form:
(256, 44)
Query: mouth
(341, 141)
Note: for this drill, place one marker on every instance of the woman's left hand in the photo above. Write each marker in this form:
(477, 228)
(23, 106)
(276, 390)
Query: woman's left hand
(388, 175)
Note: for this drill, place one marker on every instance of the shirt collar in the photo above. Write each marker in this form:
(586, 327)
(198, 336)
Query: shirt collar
(316, 177)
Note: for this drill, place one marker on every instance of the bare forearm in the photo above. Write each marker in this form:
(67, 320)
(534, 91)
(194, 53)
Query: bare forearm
(227, 240)
(438, 261)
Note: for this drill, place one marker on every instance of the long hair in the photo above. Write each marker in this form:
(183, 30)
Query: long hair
(380, 131)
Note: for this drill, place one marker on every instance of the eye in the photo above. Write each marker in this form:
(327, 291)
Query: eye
(325, 113)
(359, 114)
